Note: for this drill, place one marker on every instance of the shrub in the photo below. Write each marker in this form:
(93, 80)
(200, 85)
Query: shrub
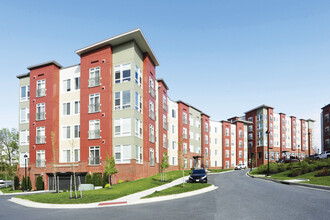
(304, 166)
(323, 172)
(282, 167)
(120, 181)
(29, 184)
(273, 168)
(16, 182)
(105, 180)
(88, 179)
(107, 186)
(64, 190)
(97, 180)
(295, 172)
(23, 184)
(40, 183)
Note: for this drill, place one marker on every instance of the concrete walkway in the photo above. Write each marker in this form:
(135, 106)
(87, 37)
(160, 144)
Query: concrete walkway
(126, 200)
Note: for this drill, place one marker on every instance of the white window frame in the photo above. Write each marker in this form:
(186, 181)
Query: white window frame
(120, 69)
(75, 109)
(74, 131)
(65, 85)
(27, 115)
(27, 93)
(65, 113)
(121, 105)
(123, 158)
(64, 136)
(123, 131)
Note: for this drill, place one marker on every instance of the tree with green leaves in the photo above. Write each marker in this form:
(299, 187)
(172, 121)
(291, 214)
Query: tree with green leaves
(54, 165)
(163, 166)
(23, 184)
(110, 168)
(9, 145)
(16, 183)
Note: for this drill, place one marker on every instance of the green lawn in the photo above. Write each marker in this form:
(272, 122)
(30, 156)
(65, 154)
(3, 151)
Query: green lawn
(218, 170)
(322, 180)
(117, 191)
(178, 189)
(4, 175)
(9, 190)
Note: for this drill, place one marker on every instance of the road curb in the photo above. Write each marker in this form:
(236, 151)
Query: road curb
(291, 183)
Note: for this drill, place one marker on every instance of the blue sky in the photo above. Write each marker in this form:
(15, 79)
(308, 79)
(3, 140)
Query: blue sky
(224, 57)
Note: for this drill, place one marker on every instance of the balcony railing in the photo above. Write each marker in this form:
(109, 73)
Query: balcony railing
(40, 139)
(92, 82)
(94, 160)
(165, 125)
(40, 162)
(40, 116)
(94, 134)
(92, 108)
(165, 107)
(152, 115)
(152, 138)
(40, 92)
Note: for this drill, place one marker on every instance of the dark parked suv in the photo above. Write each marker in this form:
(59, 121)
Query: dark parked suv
(198, 175)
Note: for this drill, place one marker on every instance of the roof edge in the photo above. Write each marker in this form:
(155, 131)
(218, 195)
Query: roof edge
(44, 64)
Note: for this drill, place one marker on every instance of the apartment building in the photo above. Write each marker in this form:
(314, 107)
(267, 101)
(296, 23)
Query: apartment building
(325, 128)
(288, 136)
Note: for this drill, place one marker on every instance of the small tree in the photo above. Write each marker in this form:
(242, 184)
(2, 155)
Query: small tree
(29, 183)
(40, 183)
(97, 180)
(88, 179)
(16, 182)
(163, 166)
(110, 168)
(23, 184)
(54, 165)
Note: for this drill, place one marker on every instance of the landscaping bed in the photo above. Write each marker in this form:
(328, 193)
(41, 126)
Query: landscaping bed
(10, 190)
(117, 191)
(178, 189)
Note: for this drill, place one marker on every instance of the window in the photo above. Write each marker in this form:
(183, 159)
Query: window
(138, 102)
(215, 163)
(173, 113)
(77, 83)
(250, 128)
(240, 154)
(25, 93)
(216, 140)
(173, 145)
(191, 148)
(77, 107)
(198, 138)
(185, 148)
(22, 159)
(152, 157)
(173, 129)
(240, 132)
(184, 118)
(94, 129)
(164, 141)
(227, 153)
(191, 120)
(94, 77)
(227, 142)
(206, 139)
(190, 163)
(77, 131)
(24, 115)
(94, 103)
(164, 122)
(66, 108)
(138, 128)
(40, 160)
(266, 155)
(164, 102)
(206, 152)
(94, 155)
(250, 144)
(122, 127)
(76, 155)
(215, 130)
(67, 85)
(66, 132)
(151, 87)
(227, 164)
(250, 136)
(122, 100)
(227, 132)
(66, 155)
(272, 155)
(240, 145)
(250, 119)
(40, 112)
(138, 154)
(41, 88)
(185, 162)
(151, 134)
(151, 110)
(40, 138)
(185, 133)
(24, 137)
(123, 73)
(123, 153)
(138, 76)
(206, 127)
(326, 118)
(198, 123)
(215, 152)
(259, 155)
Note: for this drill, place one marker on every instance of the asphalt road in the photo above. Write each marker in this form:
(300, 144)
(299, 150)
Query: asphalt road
(238, 197)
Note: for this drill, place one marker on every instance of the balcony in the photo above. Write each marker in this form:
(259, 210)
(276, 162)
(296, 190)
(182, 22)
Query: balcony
(92, 82)
(40, 116)
(165, 125)
(40, 139)
(94, 134)
(152, 138)
(165, 107)
(40, 162)
(40, 92)
(152, 92)
(152, 115)
(92, 108)
(94, 160)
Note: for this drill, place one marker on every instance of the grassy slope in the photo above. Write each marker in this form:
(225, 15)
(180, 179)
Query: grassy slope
(178, 189)
(323, 180)
(218, 170)
(99, 195)
(9, 190)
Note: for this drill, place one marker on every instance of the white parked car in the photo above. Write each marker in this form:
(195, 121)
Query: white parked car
(2, 183)
(325, 154)
(240, 166)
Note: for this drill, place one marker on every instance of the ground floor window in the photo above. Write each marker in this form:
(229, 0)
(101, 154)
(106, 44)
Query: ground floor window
(215, 163)
(40, 162)
(227, 164)
(185, 162)
(152, 157)
(123, 153)
(138, 154)
(94, 155)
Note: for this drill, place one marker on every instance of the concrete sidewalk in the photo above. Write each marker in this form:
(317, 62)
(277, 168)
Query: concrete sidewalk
(126, 200)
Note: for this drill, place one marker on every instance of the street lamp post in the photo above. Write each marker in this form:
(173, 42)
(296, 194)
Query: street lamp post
(309, 144)
(268, 132)
(25, 157)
